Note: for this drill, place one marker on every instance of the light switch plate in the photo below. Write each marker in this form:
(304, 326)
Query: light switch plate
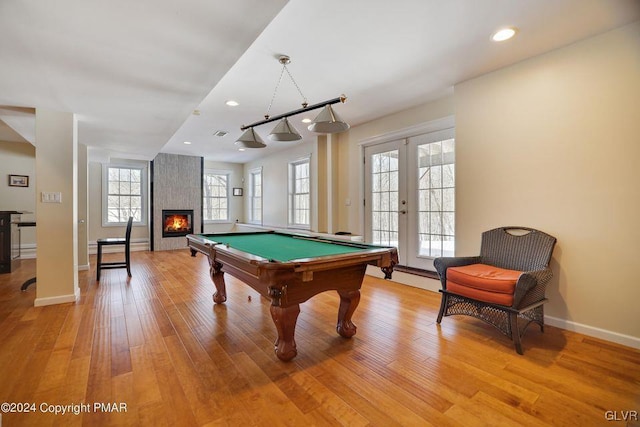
(51, 197)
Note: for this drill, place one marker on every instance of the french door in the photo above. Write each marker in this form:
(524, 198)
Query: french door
(410, 196)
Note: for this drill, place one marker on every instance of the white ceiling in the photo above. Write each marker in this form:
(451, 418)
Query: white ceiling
(134, 71)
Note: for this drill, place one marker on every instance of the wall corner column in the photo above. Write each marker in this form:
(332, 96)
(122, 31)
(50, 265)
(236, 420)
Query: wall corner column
(56, 207)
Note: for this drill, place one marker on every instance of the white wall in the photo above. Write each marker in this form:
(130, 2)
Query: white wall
(554, 143)
(95, 230)
(274, 181)
(236, 203)
(140, 235)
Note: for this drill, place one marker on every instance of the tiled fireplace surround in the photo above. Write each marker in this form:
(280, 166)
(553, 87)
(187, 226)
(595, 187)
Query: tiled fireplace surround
(176, 183)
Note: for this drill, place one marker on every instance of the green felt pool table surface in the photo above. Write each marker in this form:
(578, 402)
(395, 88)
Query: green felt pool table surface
(283, 247)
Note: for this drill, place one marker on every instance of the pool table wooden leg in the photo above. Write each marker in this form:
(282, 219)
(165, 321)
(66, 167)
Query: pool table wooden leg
(349, 300)
(285, 320)
(217, 276)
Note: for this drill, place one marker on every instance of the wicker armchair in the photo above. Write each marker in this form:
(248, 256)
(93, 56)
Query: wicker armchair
(505, 285)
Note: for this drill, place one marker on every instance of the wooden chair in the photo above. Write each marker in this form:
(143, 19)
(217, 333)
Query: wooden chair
(112, 241)
(504, 284)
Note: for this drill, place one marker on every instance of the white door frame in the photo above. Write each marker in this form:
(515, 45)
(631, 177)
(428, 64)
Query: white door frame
(405, 133)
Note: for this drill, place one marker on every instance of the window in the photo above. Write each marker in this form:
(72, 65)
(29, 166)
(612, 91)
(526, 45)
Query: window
(299, 195)
(255, 213)
(436, 198)
(124, 194)
(215, 203)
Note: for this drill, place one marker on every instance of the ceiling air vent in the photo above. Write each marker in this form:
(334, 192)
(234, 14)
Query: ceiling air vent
(220, 133)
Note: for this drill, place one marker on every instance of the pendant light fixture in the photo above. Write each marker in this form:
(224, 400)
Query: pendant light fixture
(326, 122)
(250, 139)
(284, 131)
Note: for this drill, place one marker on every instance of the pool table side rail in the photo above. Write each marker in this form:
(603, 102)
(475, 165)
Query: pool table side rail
(204, 241)
(322, 239)
(205, 246)
(379, 256)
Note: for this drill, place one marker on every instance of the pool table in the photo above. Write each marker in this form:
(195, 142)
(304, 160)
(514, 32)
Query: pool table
(289, 269)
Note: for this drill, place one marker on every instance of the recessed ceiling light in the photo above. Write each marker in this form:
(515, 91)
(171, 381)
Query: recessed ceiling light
(232, 103)
(196, 112)
(306, 120)
(241, 149)
(187, 142)
(504, 34)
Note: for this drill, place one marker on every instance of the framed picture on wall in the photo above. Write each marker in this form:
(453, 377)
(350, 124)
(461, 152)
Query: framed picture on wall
(18, 180)
(237, 191)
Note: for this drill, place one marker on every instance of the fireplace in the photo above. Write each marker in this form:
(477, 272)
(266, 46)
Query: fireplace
(176, 223)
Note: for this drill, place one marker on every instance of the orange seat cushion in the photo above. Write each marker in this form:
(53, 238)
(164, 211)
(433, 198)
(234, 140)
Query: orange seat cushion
(483, 282)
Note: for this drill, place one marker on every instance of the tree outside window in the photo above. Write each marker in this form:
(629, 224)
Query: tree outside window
(255, 214)
(299, 193)
(216, 196)
(125, 194)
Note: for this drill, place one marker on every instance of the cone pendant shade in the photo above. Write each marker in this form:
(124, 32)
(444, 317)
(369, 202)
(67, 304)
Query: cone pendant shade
(250, 139)
(328, 122)
(284, 132)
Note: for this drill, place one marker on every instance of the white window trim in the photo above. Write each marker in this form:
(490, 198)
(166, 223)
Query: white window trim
(105, 192)
(253, 172)
(291, 165)
(228, 173)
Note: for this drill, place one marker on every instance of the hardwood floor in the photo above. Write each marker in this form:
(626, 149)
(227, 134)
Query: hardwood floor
(158, 345)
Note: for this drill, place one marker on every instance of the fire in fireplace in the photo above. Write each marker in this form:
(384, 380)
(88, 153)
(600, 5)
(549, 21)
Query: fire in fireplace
(176, 223)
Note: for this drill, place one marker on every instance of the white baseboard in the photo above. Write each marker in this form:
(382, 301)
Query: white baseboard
(28, 251)
(60, 299)
(592, 331)
(136, 245)
(83, 267)
(433, 285)
(407, 279)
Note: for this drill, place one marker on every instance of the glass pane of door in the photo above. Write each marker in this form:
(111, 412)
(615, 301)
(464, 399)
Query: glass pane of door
(384, 198)
(436, 198)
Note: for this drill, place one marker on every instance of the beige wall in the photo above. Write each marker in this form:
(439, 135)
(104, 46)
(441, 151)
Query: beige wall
(551, 142)
(327, 165)
(19, 158)
(57, 229)
(83, 208)
(554, 143)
